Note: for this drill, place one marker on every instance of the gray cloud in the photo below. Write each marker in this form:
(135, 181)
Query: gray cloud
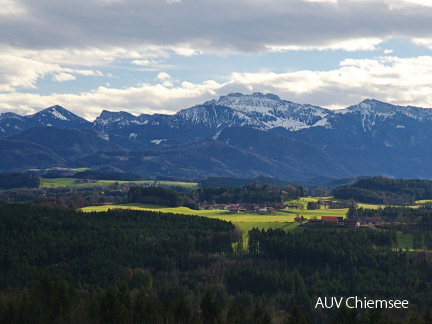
(211, 26)
(61, 40)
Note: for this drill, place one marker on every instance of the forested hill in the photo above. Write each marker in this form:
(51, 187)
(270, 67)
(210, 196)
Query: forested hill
(380, 190)
(97, 248)
(125, 266)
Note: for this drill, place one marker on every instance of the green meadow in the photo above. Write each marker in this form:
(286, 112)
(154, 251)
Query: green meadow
(245, 221)
(62, 169)
(283, 218)
(405, 241)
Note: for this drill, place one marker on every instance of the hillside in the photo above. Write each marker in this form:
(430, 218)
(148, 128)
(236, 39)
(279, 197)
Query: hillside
(25, 155)
(68, 143)
(240, 135)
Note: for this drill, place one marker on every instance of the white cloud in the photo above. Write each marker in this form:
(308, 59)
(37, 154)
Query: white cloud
(11, 7)
(401, 4)
(62, 77)
(163, 76)
(142, 62)
(350, 45)
(404, 81)
(425, 42)
(22, 72)
(391, 79)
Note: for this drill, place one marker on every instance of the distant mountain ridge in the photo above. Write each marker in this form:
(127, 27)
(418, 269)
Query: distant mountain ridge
(57, 116)
(292, 140)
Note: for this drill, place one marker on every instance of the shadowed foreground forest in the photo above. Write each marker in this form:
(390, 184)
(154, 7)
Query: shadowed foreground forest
(126, 266)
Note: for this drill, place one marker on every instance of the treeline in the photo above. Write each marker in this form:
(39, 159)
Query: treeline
(101, 248)
(380, 190)
(18, 180)
(157, 195)
(335, 263)
(241, 182)
(253, 193)
(66, 197)
(421, 215)
(117, 176)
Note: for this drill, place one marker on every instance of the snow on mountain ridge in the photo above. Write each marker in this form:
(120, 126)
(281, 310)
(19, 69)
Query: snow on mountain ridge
(257, 110)
(58, 115)
(267, 111)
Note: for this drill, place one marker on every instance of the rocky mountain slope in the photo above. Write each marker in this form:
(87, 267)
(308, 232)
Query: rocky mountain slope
(240, 135)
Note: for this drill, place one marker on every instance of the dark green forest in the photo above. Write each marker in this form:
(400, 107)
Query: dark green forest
(125, 266)
(18, 180)
(380, 190)
(159, 196)
(240, 183)
(253, 193)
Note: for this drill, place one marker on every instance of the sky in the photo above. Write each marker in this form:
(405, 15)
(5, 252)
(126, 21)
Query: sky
(161, 56)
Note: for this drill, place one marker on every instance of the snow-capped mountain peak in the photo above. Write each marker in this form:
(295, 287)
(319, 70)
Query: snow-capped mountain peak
(258, 110)
(56, 112)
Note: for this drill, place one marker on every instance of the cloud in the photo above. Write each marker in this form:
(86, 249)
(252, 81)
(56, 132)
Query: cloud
(63, 41)
(400, 4)
(11, 7)
(351, 45)
(62, 77)
(403, 81)
(163, 76)
(197, 26)
(22, 72)
(397, 80)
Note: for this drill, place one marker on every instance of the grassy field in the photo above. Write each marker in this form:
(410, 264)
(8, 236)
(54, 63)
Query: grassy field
(70, 182)
(317, 213)
(62, 169)
(283, 219)
(245, 221)
(405, 241)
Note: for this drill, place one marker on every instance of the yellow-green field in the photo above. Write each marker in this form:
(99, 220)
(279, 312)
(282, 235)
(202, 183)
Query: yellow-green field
(245, 221)
(317, 213)
(283, 218)
(70, 182)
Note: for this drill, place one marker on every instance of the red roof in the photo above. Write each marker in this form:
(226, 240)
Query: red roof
(329, 218)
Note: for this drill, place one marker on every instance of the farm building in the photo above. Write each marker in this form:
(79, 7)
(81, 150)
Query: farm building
(329, 219)
(372, 220)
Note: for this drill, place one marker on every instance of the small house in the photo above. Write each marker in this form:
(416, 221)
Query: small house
(372, 220)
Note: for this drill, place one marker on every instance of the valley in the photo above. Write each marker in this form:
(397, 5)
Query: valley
(244, 209)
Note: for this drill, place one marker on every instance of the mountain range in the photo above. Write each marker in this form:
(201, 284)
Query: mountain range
(237, 135)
